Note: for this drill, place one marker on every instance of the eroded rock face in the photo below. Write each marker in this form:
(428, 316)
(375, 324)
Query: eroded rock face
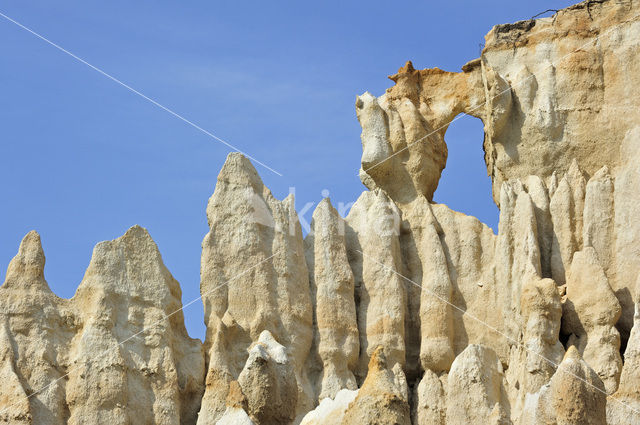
(116, 353)
(533, 362)
(624, 406)
(331, 411)
(403, 312)
(575, 395)
(429, 400)
(373, 247)
(268, 382)
(591, 311)
(383, 397)
(476, 389)
(332, 282)
(254, 278)
(554, 102)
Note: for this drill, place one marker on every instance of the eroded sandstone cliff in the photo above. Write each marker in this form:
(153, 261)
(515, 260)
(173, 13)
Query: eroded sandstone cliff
(405, 311)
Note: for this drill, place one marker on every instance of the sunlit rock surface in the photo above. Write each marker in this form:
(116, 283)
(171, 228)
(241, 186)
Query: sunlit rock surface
(404, 311)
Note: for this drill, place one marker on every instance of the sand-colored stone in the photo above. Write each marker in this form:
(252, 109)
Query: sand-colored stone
(591, 311)
(331, 411)
(429, 400)
(383, 397)
(403, 312)
(623, 407)
(373, 247)
(268, 383)
(253, 278)
(576, 393)
(476, 388)
(116, 353)
(534, 360)
(332, 284)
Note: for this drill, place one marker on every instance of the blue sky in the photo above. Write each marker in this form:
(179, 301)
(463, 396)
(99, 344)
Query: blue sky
(83, 159)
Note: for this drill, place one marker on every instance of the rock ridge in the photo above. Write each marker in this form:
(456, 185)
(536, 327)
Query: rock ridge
(404, 311)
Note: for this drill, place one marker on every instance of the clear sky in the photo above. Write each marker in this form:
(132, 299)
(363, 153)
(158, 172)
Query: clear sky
(83, 159)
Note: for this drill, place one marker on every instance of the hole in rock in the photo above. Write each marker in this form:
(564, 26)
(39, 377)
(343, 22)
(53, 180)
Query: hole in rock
(624, 340)
(465, 185)
(564, 339)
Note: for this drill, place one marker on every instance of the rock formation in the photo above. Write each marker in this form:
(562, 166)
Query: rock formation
(575, 395)
(405, 311)
(116, 353)
(383, 397)
(475, 388)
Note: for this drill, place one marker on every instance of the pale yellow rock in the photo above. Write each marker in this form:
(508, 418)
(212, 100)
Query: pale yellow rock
(429, 324)
(566, 208)
(540, 197)
(372, 237)
(429, 400)
(383, 397)
(540, 115)
(269, 383)
(599, 217)
(623, 407)
(236, 411)
(627, 225)
(533, 362)
(576, 394)
(469, 247)
(235, 416)
(403, 130)
(253, 278)
(563, 242)
(517, 261)
(476, 388)
(37, 327)
(435, 317)
(332, 283)
(115, 353)
(14, 402)
(132, 359)
(591, 310)
(542, 118)
(563, 114)
(436, 296)
(330, 411)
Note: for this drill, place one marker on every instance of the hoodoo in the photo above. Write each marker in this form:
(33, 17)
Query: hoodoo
(404, 311)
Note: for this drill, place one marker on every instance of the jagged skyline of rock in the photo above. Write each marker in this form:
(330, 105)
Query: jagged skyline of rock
(403, 312)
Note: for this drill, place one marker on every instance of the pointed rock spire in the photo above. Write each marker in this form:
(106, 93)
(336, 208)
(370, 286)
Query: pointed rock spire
(335, 310)
(27, 267)
(383, 397)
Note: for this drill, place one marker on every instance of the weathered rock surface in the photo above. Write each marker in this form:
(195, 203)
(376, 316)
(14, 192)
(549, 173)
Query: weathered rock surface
(429, 400)
(268, 382)
(254, 278)
(624, 406)
(591, 311)
(405, 311)
(553, 96)
(331, 411)
(383, 397)
(116, 353)
(332, 283)
(476, 389)
(533, 362)
(575, 395)
(373, 246)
